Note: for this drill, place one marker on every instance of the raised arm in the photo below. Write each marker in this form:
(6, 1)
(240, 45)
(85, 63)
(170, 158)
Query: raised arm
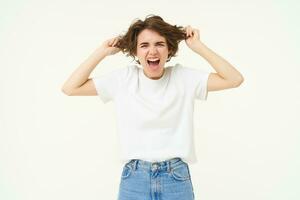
(79, 84)
(227, 76)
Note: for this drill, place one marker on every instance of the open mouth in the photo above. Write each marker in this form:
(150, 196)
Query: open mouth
(153, 63)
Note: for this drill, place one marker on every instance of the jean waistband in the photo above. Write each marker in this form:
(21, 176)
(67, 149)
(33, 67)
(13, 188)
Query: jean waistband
(161, 165)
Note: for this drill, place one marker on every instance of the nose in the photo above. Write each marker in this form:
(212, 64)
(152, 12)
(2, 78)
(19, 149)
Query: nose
(152, 50)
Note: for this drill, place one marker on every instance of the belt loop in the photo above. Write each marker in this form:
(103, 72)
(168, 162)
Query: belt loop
(135, 164)
(168, 166)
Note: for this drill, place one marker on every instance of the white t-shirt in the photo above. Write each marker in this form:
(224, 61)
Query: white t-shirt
(154, 117)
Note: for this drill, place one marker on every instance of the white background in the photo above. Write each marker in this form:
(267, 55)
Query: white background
(54, 146)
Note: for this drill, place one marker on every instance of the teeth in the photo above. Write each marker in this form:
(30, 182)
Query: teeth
(153, 60)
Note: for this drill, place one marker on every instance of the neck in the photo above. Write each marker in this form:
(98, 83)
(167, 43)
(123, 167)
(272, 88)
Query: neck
(155, 78)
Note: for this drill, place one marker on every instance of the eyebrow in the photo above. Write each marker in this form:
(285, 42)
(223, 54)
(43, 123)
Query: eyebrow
(143, 43)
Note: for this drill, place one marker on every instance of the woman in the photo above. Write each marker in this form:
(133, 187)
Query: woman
(154, 104)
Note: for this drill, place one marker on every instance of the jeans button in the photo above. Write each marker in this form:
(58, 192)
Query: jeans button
(154, 166)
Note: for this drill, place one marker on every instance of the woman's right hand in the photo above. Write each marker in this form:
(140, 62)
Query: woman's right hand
(109, 48)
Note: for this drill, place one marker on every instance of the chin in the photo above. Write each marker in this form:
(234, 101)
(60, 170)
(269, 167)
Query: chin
(154, 73)
(153, 70)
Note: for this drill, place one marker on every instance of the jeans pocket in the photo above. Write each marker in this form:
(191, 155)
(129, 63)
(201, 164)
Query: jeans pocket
(127, 170)
(180, 172)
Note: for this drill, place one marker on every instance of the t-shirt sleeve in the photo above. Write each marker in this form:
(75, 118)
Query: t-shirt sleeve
(196, 80)
(108, 85)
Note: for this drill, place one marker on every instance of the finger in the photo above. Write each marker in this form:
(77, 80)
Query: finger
(190, 32)
(193, 33)
(196, 33)
(115, 41)
(187, 31)
(110, 42)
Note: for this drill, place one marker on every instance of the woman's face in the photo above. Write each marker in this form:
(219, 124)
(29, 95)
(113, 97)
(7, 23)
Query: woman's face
(152, 53)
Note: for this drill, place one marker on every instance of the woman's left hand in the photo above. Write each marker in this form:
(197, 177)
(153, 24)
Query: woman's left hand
(193, 37)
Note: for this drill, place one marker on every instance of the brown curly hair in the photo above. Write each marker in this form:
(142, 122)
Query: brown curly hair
(172, 33)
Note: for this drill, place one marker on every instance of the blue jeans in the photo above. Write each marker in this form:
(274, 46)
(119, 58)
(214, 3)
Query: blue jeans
(165, 180)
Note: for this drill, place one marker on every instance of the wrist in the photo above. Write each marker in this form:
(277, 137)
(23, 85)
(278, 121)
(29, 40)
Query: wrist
(101, 51)
(198, 47)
